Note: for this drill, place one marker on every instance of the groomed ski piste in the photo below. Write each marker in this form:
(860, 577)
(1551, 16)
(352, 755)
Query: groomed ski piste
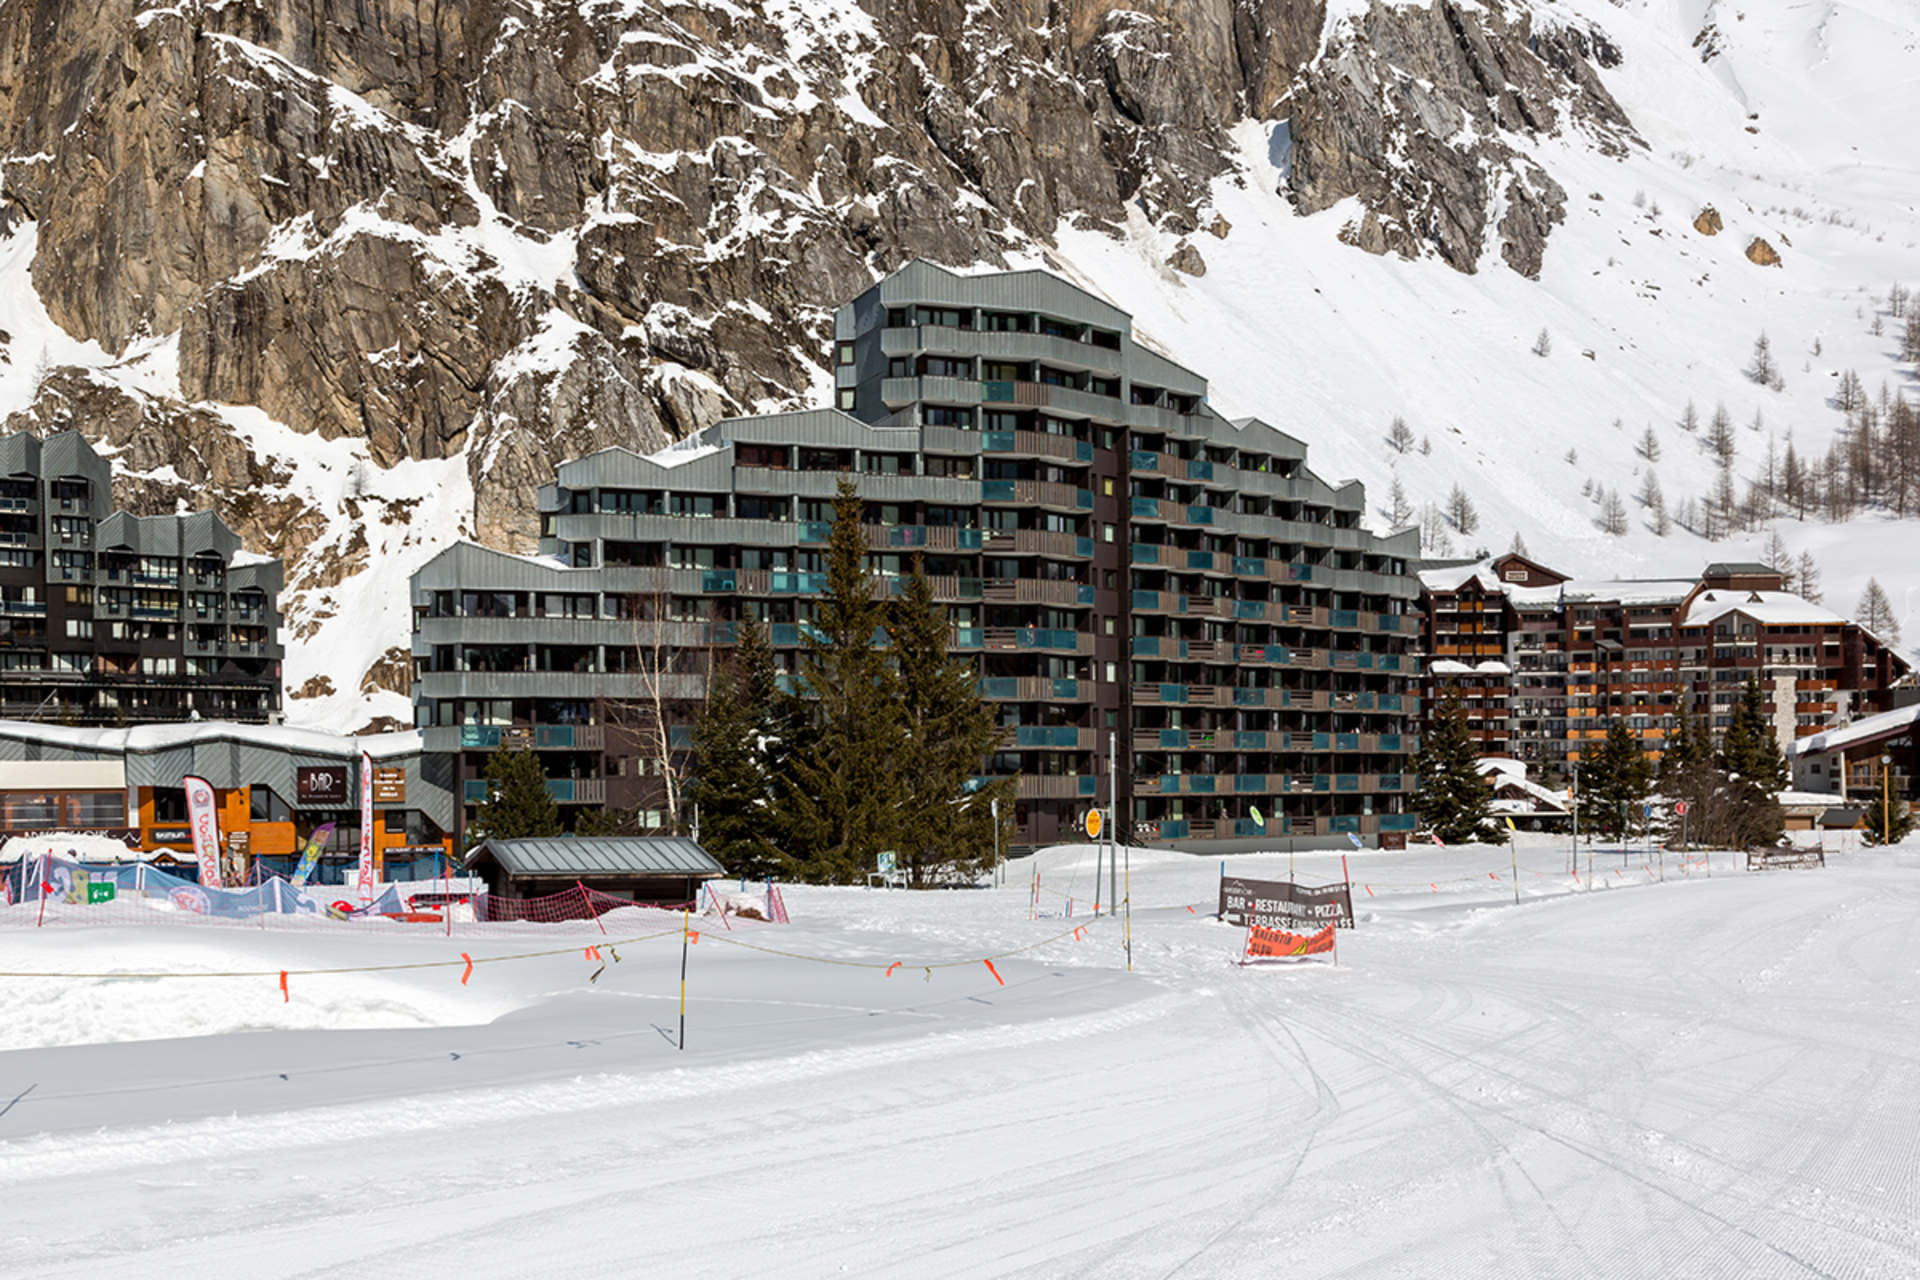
(1701, 1075)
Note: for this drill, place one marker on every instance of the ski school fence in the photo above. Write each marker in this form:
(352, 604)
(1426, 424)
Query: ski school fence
(53, 892)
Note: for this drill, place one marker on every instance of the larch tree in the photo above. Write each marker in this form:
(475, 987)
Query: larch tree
(1543, 344)
(1400, 435)
(1808, 577)
(1649, 446)
(1762, 367)
(1875, 613)
(1399, 508)
(1460, 511)
(1720, 438)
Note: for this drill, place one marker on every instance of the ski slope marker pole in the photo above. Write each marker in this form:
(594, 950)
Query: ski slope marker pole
(686, 932)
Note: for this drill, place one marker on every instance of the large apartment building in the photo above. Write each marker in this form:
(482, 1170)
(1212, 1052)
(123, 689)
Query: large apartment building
(1541, 662)
(1148, 588)
(108, 618)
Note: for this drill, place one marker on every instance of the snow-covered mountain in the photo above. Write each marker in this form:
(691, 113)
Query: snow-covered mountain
(357, 274)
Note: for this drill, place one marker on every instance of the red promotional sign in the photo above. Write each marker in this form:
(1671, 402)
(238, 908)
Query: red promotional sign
(1278, 944)
(1681, 808)
(366, 828)
(206, 829)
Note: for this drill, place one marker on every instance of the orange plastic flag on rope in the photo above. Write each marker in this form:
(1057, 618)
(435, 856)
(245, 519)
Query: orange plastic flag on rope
(995, 972)
(285, 998)
(469, 969)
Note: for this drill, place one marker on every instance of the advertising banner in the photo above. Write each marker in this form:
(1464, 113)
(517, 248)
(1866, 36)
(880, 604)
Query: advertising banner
(1278, 944)
(1281, 904)
(320, 786)
(366, 828)
(205, 826)
(310, 855)
(1785, 858)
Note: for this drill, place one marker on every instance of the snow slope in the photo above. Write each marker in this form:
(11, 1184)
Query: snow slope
(1707, 1076)
(1798, 131)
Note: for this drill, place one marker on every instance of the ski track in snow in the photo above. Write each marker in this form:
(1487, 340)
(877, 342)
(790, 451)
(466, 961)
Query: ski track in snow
(1700, 1077)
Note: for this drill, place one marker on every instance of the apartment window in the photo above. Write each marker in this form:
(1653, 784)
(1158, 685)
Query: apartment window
(265, 806)
(844, 353)
(1106, 533)
(79, 629)
(847, 395)
(1106, 485)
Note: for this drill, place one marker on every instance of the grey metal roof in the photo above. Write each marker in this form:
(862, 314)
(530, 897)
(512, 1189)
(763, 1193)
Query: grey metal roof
(600, 855)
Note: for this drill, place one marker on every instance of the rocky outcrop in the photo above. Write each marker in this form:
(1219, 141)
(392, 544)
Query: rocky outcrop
(507, 232)
(1762, 254)
(1708, 222)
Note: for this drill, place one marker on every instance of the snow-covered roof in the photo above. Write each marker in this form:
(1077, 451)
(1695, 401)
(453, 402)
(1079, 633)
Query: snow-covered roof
(1624, 590)
(1448, 667)
(1454, 577)
(1778, 608)
(1501, 764)
(1865, 729)
(159, 737)
(1810, 799)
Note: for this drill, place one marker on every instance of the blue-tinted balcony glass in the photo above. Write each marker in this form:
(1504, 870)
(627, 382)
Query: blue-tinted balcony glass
(1200, 784)
(1199, 469)
(1345, 823)
(1364, 701)
(680, 735)
(1199, 514)
(1249, 697)
(996, 490)
(1322, 741)
(968, 589)
(1000, 687)
(1083, 450)
(1346, 742)
(475, 791)
(1396, 821)
(1249, 740)
(560, 788)
(1146, 553)
(1387, 621)
(783, 635)
(1389, 742)
(1387, 662)
(970, 539)
(1173, 739)
(1249, 565)
(1300, 572)
(1389, 702)
(1199, 559)
(1249, 608)
(1169, 784)
(1083, 547)
(1087, 784)
(1342, 618)
(996, 390)
(1174, 829)
(1322, 782)
(1278, 655)
(996, 441)
(480, 735)
(1084, 595)
(1244, 782)
(1390, 782)
(1148, 508)
(815, 531)
(1046, 735)
(784, 582)
(1066, 687)
(1146, 646)
(553, 735)
(1346, 782)
(724, 633)
(1173, 693)
(1141, 460)
(717, 580)
(1083, 498)
(786, 684)
(969, 637)
(1365, 660)
(1146, 599)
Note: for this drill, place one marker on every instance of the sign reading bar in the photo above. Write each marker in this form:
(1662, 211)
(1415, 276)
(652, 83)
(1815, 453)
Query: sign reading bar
(1777, 859)
(318, 786)
(1281, 904)
(389, 786)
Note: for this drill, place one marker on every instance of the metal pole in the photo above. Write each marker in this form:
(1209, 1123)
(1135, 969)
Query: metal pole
(1113, 818)
(1574, 804)
(686, 930)
(999, 877)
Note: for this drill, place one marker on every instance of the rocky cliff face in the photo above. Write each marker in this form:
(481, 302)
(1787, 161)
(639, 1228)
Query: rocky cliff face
(512, 231)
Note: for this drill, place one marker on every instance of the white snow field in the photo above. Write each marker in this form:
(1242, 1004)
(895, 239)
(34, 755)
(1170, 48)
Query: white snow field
(1696, 1077)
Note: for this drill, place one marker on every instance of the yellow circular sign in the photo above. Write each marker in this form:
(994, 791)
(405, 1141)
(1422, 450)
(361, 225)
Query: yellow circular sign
(1093, 823)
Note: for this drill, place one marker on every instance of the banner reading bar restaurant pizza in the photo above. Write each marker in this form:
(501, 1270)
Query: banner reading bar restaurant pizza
(1281, 904)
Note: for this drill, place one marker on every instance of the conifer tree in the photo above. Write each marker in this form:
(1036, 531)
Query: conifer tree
(839, 790)
(1460, 511)
(1761, 368)
(1808, 578)
(1720, 440)
(731, 782)
(1400, 435)
(949, 731)
(1690, 418)
(1875, 613)
(1888, 823)
(1754, 773)
(1453, 800)
(1613, 514)
(1399, 509)
(518, 805)
(1649, 446)
(1519, 545)
(1615, 782)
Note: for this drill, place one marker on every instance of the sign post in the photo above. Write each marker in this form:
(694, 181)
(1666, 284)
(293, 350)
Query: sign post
(999, 872)
(1093, 826)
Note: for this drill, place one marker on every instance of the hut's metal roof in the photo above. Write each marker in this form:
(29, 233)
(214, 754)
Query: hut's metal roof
(600, 856)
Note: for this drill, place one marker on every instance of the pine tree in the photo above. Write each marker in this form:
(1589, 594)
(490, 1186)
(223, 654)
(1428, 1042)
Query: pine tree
(1761, 368)
(1887, 823)
(1453, 800)
(1808, 578)
(1755, 770)
(1613, 514)
(518, 805)
(1399, 509)
(1460, 511)
(731, 783)
(1400, 435)
(1875, 613)
(947, 832)
(1720, 441)
(840, 790)
(1616, 782)
(1649, 446)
